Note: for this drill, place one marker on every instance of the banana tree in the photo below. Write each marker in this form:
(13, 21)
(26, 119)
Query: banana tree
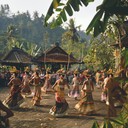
(98, 24)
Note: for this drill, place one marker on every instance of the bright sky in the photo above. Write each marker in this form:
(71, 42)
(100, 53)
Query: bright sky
(83, 17)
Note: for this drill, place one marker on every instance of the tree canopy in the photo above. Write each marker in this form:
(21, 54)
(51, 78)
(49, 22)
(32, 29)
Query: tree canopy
(23, 29)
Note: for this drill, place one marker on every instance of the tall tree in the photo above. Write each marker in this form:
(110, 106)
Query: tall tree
(71, 33)
(71, 40)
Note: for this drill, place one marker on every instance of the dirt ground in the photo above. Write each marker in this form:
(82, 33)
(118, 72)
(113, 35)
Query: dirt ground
(29, 116)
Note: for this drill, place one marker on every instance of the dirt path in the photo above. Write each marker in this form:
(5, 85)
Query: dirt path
(38, 117)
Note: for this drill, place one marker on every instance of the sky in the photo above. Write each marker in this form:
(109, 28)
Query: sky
(83, 17)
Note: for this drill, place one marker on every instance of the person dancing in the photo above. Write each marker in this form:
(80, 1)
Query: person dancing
(25, 84)
(15, 98)
(47, 84)
(86, 104)
(75, 91)
(37, 89)
(61, 105)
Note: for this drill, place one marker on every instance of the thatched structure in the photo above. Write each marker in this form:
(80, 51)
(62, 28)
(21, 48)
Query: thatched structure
(16, 57)
(55, 57)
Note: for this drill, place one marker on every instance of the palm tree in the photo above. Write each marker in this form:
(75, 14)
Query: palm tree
(69, 38)
(73, 30)
(71, 33)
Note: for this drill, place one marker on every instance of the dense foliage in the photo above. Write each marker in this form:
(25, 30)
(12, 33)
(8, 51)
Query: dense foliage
(26, 30)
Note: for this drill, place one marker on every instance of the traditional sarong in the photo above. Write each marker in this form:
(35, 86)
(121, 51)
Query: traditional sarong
(26, 90)
(86, 104)
(46, 87)
(61, 106)
(15, 99)
(37, 95)
(75, 92)
(60, 109)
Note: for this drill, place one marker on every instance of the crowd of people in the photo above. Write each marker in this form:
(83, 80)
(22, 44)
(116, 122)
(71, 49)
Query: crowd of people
(80, 86)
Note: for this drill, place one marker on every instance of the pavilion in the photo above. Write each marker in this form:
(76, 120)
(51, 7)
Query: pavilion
(17, 57)
(56, 58)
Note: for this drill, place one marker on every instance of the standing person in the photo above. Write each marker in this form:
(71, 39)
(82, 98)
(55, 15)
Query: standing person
(15, 98)
(86, 104)
(75, 91)
(25, 84)
(47, 84)
(4, 119)
(104, 90)
(37, 89)
(110, 85)
(97, 77)
(61, 105)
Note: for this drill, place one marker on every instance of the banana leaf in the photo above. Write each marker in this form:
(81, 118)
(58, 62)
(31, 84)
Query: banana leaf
(94, 22)
(95, 125)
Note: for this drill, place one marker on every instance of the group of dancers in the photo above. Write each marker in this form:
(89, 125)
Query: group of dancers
(21, 88)
(85, 105)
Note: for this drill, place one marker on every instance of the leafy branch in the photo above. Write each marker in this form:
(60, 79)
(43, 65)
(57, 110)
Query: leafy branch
(98, 24)
(62, 9)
